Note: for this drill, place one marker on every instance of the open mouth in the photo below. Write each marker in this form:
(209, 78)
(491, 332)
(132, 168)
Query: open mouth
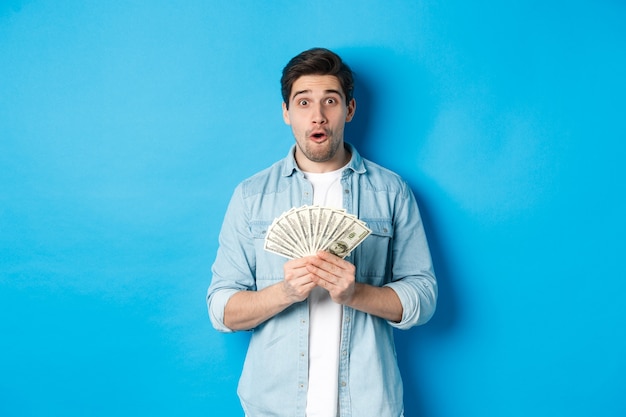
(318, 136)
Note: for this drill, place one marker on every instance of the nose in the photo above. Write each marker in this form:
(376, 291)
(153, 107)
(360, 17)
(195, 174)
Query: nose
(318, 115)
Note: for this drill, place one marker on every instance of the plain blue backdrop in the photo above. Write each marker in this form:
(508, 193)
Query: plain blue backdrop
(125, 126)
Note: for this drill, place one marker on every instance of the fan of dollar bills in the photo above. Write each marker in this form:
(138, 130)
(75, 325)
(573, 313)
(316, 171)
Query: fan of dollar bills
(306, 230)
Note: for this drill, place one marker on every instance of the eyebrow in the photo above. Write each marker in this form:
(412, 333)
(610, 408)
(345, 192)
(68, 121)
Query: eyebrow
(331, 91)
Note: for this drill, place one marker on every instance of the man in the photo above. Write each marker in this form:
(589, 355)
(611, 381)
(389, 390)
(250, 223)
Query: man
(322, 341)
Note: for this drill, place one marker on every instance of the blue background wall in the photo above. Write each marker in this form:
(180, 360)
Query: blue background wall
(125, 126)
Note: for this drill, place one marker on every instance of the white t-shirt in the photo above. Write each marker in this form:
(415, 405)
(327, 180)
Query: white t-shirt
(324, 317)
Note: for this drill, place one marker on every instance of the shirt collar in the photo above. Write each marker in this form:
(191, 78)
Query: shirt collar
(356, 162)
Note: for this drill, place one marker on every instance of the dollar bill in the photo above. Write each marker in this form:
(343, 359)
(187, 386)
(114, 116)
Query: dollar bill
(306, 230)
(347, 240)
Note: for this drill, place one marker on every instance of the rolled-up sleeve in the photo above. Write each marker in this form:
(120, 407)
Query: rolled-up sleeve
(419, 301)
(216, 302)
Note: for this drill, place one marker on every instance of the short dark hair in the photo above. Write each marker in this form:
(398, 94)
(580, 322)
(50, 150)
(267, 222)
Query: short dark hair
(316, 61)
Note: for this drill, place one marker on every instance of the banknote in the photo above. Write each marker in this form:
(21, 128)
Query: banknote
(306, 230)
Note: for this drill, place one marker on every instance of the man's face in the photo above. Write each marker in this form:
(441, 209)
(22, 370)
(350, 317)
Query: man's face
(317, 115)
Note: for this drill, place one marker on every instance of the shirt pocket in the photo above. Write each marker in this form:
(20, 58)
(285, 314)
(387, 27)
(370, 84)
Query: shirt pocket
(374, 261)
(269, 266)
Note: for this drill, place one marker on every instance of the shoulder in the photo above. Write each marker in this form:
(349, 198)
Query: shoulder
(259, 182)
(382, 179)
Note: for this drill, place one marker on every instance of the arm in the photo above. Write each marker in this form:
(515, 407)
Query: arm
(247, 309)
(412, 278)
(379, 301)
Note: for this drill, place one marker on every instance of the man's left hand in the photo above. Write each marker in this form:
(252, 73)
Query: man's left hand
(334, 274)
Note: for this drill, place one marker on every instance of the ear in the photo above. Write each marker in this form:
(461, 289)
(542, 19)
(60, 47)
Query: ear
(351, 110)
(286, 114)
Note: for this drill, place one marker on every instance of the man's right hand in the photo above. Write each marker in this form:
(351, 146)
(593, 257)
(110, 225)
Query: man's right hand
(298, 282)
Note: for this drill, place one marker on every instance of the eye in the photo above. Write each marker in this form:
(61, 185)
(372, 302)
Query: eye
(331, 100)
(303, 102)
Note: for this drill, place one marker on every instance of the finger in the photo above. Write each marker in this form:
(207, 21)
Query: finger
(296, 267)
(298, 291)
(328, 268)
(320, 274)
(334, 260)
(339, 266)
(297, 263)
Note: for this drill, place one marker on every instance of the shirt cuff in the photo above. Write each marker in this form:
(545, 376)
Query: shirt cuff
(413, 312)
(217, 304)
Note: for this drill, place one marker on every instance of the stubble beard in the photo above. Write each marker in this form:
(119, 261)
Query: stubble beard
(317, 153)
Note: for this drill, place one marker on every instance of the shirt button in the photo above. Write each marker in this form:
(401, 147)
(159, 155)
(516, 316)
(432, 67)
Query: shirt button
(343, 383)
(347, 191)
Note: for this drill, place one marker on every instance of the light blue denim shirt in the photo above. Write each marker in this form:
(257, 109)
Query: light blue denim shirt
(396, 254)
